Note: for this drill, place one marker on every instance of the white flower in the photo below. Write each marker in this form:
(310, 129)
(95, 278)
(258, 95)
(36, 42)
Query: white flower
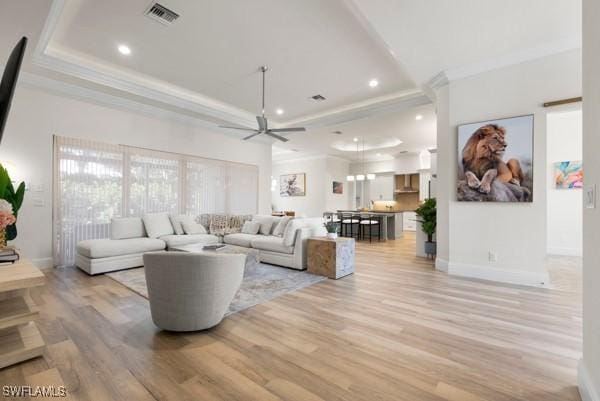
(5, 206)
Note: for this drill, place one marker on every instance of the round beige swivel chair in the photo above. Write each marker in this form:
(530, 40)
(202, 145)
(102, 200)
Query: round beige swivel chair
(191, 291)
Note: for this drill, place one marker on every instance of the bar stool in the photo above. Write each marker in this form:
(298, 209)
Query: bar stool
(349, 220)
(372, 222)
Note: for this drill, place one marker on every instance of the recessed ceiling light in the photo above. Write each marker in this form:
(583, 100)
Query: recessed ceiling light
(279, 111)
(418, 117)
(378, 154)
(355, 139)
(373, 83)
(124, 49)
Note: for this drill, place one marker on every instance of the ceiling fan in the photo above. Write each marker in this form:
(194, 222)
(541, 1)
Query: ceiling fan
(263, 126)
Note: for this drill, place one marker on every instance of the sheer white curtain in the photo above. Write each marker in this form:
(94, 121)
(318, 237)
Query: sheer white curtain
(242, 185)
(153, 181)
(205, 187)
(88, 180)
(95, 182)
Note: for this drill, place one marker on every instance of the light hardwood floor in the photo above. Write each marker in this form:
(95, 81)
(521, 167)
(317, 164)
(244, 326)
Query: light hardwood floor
(395, 330)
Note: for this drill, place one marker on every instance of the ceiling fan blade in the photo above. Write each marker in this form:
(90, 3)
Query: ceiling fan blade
(238, 128)
(281, 138)
(299, 129)
(262, 123)
(253, 135)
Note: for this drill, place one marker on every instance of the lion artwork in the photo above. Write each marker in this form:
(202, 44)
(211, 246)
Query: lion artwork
(482, 159)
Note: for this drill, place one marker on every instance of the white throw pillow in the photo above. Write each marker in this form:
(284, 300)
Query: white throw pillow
(127, 227)
(176, 223)
(289, 235)
(251, 227)
(192, 228)
(281, 225)
(178, 220)
(274, 221)
(158, 224)
(266, 222)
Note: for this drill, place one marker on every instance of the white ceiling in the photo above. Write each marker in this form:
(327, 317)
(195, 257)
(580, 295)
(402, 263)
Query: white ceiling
(459, 36)
(204, 66)
(384, 136)
(216, 47)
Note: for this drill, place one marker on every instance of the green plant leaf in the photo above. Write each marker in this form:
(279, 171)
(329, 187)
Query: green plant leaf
(19, 196)
(427, 214)
(4, 180)
(11, 232)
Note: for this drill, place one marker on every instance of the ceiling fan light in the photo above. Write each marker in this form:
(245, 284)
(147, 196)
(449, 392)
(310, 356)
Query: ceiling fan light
(370, 176)
(360, 177)
(350, 178)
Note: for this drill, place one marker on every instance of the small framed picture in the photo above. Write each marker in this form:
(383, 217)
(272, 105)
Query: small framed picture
(338, 187)
(292, 185)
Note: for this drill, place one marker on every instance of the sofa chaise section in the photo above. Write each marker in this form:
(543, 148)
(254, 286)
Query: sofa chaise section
(103, 255)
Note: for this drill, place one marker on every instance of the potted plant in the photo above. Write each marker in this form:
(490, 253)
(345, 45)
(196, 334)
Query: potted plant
(427, 216)
(332, 229)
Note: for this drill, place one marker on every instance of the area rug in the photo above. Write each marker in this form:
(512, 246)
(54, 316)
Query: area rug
(262, 283)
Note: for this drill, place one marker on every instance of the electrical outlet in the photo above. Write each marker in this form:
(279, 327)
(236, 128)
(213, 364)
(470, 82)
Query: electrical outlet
(492, 257)
(590, 196)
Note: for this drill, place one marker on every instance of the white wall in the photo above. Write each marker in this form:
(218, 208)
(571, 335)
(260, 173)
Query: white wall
(516, 232)
(564, 212)
(37, 115)
(337, 170)
(320, 171)
(589, 371)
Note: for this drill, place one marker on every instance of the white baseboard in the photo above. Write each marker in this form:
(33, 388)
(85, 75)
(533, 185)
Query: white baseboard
(43, 263)
(586, 388)
(441, 265)
(564, 251)
(489, 273)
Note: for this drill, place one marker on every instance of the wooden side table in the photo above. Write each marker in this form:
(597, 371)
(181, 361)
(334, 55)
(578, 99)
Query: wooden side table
(333, 258)
(19, 336)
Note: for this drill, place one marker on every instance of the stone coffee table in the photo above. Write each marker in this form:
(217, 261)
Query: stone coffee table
(333, 258)
(251, 254)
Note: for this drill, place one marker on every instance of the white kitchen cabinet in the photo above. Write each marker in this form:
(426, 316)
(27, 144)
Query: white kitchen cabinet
(409, 221)
(382, 188)
(424, 179)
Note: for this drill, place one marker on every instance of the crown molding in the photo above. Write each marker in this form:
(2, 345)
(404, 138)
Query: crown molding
(439, 81)
(300, 159)
(522, 56)
(59, 61)
(444, 77)
(40, 82)
(319, 156)
(86, 69)
(382, 105)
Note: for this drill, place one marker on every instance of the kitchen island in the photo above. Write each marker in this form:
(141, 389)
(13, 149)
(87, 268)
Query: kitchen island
(392, 222)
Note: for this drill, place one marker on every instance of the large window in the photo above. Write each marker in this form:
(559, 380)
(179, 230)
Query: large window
(95, 182)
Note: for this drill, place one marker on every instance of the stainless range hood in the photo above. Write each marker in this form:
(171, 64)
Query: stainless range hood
(407, 188)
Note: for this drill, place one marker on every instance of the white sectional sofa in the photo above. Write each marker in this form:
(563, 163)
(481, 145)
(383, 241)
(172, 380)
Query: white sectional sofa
(279, 244)
(130, 238)
(287, 248)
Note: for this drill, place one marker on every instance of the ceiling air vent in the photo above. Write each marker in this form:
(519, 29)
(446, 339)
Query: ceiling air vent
(318, 98)
(161, 14)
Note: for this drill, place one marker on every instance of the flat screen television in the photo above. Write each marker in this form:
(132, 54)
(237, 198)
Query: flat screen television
(9, 80)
